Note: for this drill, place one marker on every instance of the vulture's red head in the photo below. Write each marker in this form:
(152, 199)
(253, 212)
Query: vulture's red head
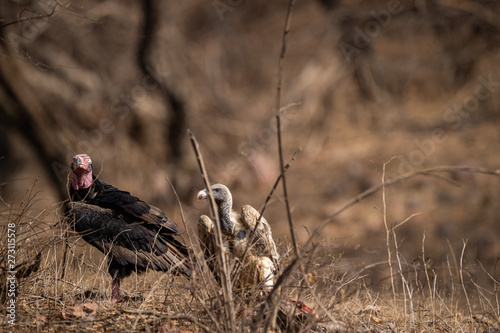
(82, 171)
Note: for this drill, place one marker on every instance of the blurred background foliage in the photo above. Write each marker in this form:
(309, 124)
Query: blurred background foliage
(364, 81)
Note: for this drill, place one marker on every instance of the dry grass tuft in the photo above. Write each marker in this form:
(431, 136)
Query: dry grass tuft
(419, 295)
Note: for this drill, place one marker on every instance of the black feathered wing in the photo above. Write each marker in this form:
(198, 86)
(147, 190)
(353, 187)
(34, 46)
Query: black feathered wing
(128, 240)
(132, 208)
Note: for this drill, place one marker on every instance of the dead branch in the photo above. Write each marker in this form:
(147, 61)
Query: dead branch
(31, 18)
(426, 172)
(223, 266)
(252, 234)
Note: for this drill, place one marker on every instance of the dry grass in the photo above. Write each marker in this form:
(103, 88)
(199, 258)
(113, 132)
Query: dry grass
(418, 296)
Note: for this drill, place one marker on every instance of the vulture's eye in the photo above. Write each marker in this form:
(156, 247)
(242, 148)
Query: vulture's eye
(89, 160)
(216, 190)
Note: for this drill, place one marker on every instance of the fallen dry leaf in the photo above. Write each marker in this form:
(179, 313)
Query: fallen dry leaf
(80, 310)
(311, 277)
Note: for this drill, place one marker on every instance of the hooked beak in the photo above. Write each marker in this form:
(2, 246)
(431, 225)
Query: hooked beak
(79, 162)
(202, 195)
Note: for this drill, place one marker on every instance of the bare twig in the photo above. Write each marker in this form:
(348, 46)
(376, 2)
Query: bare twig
(183, 219)
(495, 281)
(404, 284)
(195, 262)
(275, 186)
(425, 172)
(281, 66)
(252, 234)
(462, 277)
(427, 278)
(454, 260)
(395, 226)
(223, 267)
(168, 316)
(388, 234)
(31, 18)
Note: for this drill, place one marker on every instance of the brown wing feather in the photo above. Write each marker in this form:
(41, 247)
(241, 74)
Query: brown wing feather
(263, 236)
(206, 237)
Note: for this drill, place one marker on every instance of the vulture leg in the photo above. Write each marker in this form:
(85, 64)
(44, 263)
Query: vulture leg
(118, 273)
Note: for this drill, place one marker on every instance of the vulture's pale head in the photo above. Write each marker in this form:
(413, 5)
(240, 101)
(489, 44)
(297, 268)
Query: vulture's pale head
(82, 171)
(221, 194)
(224, 201)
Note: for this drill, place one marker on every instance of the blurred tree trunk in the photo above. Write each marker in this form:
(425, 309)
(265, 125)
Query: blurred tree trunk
(177, 124)
(24, 112)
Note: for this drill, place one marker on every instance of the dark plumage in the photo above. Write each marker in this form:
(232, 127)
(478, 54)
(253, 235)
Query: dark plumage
(133, 235)
(261, 261)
